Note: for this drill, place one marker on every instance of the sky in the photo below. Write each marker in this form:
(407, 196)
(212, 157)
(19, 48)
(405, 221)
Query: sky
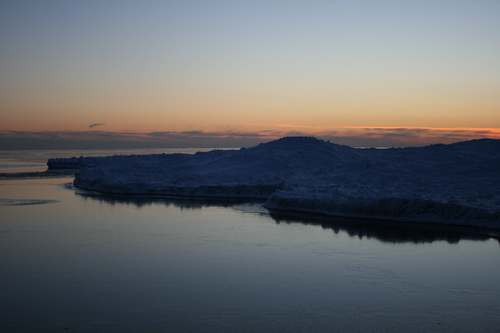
(90, 74)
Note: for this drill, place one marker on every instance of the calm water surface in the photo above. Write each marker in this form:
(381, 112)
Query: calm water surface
(78, 262)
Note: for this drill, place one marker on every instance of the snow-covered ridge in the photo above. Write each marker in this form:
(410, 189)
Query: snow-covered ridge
(456, 183)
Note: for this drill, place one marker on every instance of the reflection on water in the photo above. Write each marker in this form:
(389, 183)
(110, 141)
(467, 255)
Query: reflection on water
(391, 232)
(384, 231)
(143, 200)
(103, 263)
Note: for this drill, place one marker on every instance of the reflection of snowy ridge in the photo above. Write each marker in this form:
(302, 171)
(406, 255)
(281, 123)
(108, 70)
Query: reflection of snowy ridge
(455, 183)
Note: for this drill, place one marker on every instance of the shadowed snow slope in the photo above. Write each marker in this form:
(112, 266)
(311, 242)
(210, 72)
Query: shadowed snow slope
(456, 183)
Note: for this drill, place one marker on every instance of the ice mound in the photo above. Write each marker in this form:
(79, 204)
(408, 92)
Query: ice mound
(456, 183)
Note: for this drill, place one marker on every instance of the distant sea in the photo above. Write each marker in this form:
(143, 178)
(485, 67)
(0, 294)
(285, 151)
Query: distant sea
(36, 160)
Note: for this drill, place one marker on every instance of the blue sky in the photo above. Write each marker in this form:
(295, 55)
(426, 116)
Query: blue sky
(260, 69)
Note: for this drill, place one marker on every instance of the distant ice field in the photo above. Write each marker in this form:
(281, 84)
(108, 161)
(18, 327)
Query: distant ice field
(17, 161)
(453, 184)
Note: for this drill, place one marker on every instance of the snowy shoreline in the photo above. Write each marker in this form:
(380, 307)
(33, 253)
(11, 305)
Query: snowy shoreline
(451, 184)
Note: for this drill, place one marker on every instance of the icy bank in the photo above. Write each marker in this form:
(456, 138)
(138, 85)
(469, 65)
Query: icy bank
(457, 183)
(65, 163)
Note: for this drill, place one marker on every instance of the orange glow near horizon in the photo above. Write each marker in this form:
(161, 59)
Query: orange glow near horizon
(349, 135)
(190, 71)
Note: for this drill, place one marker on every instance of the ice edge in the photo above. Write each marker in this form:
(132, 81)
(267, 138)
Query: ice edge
(451, 184)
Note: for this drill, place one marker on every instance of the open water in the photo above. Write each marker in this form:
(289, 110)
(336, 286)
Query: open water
(82, 262)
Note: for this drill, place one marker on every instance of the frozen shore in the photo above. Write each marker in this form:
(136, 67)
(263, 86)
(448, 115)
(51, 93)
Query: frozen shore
(455, 184)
